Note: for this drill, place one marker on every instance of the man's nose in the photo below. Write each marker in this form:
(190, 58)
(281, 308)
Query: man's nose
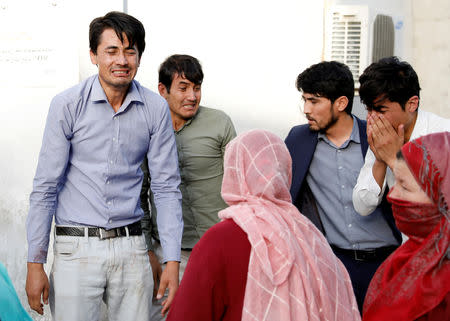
(307, 108)
(121, 59)
(192, 95)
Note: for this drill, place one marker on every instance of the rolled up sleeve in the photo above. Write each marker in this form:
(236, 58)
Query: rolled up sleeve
(367, 194)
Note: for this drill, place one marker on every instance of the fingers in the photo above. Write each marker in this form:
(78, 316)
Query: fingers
(45, 293)
(156, 271)
(162, 289)
(155, 284)
(377, 127)
(34, 299)
(401, 132)
(35, 303)
(170, 280)
(37, 285)
(384, 139)
(167, 303)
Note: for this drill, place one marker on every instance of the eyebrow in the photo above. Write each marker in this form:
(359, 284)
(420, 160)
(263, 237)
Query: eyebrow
(116, 47)
(310, 98)
(379, 107)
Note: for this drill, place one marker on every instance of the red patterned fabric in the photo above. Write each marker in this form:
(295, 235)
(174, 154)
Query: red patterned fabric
(293, 273)
(414, 282)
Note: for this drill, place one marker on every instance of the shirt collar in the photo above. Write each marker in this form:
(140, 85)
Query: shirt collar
(419, 125)
(189, 121)
(354, 136)
(98, 94)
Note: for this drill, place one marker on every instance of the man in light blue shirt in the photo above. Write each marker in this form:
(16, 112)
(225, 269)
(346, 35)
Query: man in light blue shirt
(89, 178)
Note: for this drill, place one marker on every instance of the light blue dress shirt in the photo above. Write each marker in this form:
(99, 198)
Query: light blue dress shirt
(89, 166)
(332, 175)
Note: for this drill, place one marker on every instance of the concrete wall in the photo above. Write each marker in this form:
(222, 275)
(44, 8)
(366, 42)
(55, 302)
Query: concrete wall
(431, 53)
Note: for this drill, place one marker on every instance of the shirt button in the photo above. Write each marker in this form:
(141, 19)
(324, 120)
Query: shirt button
(354, 246)
(114, 139)
(109, 203)
(340, 167)
(349, 225)
(111, 161)
(345, 206)
(343, 186)
(107, 182)
(110, 221)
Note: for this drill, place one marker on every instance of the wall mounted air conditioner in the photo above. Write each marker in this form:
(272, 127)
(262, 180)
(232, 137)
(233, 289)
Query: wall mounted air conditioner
(358, 33)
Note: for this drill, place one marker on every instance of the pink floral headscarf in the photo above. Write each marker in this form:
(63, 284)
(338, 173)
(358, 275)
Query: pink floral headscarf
(293, 273)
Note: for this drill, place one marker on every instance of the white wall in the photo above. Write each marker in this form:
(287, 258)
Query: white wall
(431, 53)
(37, 58)
(251, 52)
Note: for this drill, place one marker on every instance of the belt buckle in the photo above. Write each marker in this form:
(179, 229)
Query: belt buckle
(365, 255)
(359, 256)
(107, 234)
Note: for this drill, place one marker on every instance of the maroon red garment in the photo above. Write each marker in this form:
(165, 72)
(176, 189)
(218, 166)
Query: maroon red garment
(414, 282)
(213, 284)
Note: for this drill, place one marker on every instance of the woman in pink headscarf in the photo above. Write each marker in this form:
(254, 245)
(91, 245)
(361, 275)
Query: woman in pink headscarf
(414, 282)
(264, 261)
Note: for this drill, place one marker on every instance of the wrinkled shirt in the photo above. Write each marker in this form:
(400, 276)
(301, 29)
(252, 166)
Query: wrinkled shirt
(201, 146)
(332, 175)
(89, 174)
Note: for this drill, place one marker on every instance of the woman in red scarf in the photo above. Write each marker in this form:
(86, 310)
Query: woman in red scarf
(414, 282)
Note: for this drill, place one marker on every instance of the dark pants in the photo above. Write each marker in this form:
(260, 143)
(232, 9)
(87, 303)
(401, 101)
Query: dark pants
(361, 273)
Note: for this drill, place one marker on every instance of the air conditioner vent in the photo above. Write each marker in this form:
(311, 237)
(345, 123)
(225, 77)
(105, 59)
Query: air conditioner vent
(346, 37)
(346, 41)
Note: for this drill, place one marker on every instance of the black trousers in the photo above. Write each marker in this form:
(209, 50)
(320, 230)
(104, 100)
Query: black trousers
(361, 273)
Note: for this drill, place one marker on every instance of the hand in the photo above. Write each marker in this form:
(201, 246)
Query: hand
(169, 279)
(156, 270)
(37, 285)
(383, 139)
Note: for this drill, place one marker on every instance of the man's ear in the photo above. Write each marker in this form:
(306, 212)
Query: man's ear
(412, 104)
(341, 103)
(93, 57)
(162, 90)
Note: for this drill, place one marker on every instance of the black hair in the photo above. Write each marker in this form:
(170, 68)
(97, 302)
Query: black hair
(329, 79)
(388, 78)
(184, 65)
(121, 23)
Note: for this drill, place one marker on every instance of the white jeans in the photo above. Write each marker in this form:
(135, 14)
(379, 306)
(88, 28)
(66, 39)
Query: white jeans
(87, 270)
(156, 305)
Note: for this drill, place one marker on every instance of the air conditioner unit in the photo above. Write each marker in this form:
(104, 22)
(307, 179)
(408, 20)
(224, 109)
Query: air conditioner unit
(346, 37)
(358, 33)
